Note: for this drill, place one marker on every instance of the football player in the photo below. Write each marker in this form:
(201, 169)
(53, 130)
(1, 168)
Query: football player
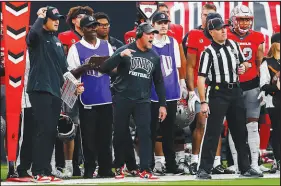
(251, 43)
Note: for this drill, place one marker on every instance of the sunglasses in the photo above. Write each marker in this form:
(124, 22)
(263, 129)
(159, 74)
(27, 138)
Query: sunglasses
(93, 26)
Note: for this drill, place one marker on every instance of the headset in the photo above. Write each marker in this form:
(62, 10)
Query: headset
(46, 18)
(139, 31)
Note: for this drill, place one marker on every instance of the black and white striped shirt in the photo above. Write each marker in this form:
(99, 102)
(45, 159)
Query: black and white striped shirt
(220, 62)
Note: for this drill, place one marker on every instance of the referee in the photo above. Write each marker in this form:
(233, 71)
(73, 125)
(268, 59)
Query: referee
(222, 62)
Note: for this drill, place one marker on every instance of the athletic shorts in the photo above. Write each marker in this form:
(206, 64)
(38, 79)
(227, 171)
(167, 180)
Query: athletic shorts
(252, 104)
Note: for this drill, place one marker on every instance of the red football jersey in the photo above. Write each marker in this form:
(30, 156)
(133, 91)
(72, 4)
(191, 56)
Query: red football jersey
(68, 38)
(175, 31)
(249, 46)
(130, 36)
(196, 44)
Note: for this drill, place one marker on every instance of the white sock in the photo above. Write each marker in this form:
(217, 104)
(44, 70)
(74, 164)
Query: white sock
(233, 150)
(68, 163)
(160, 159)
(180, 155)
(53, 160)
(254, 141)
(217, 161)
(137, 157)
(194, 158)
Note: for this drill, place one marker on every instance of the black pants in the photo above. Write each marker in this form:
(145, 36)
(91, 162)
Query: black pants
(274, 114)
(46, 109)
(122, 109)
(96, 131)
(229, 103)
(167, 128)
(26, 146)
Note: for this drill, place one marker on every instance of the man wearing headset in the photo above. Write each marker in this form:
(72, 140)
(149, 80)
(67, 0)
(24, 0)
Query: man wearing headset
(137, 65)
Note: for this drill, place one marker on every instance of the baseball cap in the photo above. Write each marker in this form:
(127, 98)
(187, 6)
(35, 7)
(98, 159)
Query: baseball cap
(160, 16)
(147, 28)
(87, 21)
(275, 38)
(216, 23)
(53, 13)
(210, 16)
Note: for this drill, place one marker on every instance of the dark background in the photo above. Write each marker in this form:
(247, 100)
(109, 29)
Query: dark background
(122, 14)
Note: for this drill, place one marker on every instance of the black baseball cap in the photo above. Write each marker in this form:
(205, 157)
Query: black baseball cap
(53, 13)
(210, 16)
(275, 38)
(87, 21)
(160, 16)
(216, 23)
(147, 28)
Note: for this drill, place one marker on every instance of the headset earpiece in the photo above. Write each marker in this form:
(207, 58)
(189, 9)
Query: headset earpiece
(46, 18)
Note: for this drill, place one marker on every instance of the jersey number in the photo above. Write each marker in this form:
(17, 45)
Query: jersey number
(248, 53)
(166, 65)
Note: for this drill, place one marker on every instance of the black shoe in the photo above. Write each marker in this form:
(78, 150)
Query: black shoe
(252, 173)
(105, 174)
(88, 173)
(176, 172)
(12, 175)
(23, 174)
(220, 170)
(193, 168)
(76, 170)
(203, 175)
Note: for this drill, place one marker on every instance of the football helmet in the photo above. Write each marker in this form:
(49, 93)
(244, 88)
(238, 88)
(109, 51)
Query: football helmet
(183, 116)
(66, 128)
(237, 14)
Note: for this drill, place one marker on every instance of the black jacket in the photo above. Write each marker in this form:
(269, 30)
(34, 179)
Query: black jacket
(47, 60)
(135, 75)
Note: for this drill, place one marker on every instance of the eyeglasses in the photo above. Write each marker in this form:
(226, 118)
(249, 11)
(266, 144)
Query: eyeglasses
(106, 25)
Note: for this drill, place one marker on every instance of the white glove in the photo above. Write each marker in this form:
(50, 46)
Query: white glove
(278, 83)
(261, 97)
(192, 98)
(183, 89)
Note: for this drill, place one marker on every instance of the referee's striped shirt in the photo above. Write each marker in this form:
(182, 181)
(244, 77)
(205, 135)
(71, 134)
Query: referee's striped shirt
(220, 62)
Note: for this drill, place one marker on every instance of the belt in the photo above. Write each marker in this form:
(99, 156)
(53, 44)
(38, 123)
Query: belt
(225, 85)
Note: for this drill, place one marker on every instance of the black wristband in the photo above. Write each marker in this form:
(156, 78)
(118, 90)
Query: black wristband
(204, 102)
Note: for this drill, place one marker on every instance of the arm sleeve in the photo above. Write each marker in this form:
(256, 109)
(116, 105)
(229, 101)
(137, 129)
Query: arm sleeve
(177, 54)
(35, 31)
(159, 84)
(204, 64)
(113, 61)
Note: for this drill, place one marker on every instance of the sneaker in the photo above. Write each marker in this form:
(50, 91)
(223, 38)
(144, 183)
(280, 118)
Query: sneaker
(203, 175)
(119, 174)
(174, 172)
(108, 174)
(54, 178)
(147, 174)
(159, 169)
(264, 169)
(257, 168)
(95, 174)
(183, 165)
(41, 179)
(193, 168)
(275, 167)
(232, 169)
(68, 172)
(221, 170)
(252, 173)
(57, 173)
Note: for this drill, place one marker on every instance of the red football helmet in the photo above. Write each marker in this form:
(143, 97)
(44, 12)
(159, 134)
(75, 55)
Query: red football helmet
(242, 18)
